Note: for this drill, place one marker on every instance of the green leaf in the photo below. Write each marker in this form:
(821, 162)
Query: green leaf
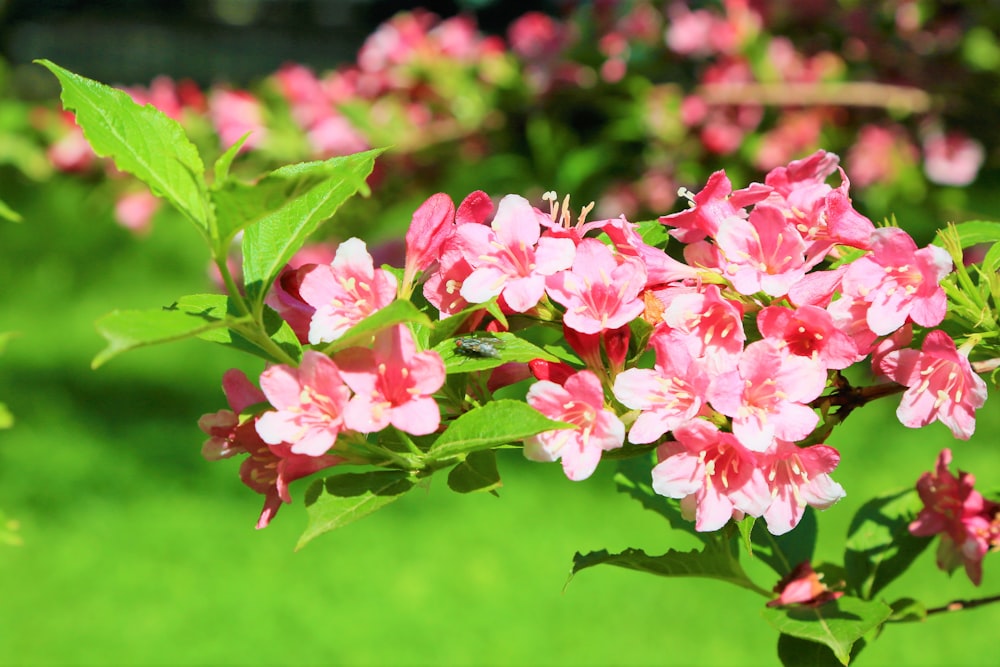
(142, 141)
(634, 478)
(220, 306)
(336, 501)
(281, 210)
(654, 233)
(907, 610)
(397, 312)
(880, 546)
(838, 624)
(496, 423)
(509, 348)
(7, 213)
(225, 161)
(783, 552)
(129, 329)
(478, 472)
(991, 262)
(795, 652)
(716, 561)
(974, 232)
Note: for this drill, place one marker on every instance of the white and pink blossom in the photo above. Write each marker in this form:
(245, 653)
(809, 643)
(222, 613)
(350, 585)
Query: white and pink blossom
(578, 401)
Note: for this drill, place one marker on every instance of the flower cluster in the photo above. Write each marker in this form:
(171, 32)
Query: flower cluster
(722, 362)
(969, 525)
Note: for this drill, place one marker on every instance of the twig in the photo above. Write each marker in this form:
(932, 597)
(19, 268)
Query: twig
(848, 94)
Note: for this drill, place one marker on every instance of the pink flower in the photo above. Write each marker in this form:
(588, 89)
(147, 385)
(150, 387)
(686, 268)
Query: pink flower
(714, 205)
(271, 468)
(808, 331)
(227, 434)
(941, 385)
(345, 291)
(899, 281)
(433, 223)
(601, 291)
(969, 524)
(952, 159)
(670, 394)
(715, 476)
(767, 396)
(712, 326)
(798, 476)
(763, 253)
(134, 211)
(509, 257)
(309, 405)
(392, 384)
(234, 113)
(579, 401)
(803, 586)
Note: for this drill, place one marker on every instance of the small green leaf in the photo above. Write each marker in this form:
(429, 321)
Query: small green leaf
(336, 501)
(7, 213)
(838, 624)
(478, 472)
(907, 610)
(973, 232)
(715, 561)
(225, 161)
(129, 329)
(280, 211)
(397, 312)
(654, 233)
(991, 262)
(880, 546)
(142, 141)
(497, 423)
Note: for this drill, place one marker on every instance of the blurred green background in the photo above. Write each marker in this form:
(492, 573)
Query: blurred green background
(136, 551)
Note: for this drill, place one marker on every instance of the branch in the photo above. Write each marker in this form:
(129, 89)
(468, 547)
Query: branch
(959, 605)
(848, 94)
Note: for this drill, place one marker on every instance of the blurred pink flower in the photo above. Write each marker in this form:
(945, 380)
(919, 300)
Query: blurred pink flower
(969, 524)
(134, 211)
(952, 158)
(234, 113)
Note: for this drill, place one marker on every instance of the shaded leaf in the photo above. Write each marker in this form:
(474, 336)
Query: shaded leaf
(221, 306)
(838, 624)
(336, 501)
(907, 610)
(717, 560)
(634, 477)
(783, 552)
(796, 652)
(880, 546)
(478, 472)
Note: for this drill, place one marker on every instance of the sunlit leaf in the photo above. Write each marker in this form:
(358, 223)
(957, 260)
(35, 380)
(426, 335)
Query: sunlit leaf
(496, 423)
(838, 624)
